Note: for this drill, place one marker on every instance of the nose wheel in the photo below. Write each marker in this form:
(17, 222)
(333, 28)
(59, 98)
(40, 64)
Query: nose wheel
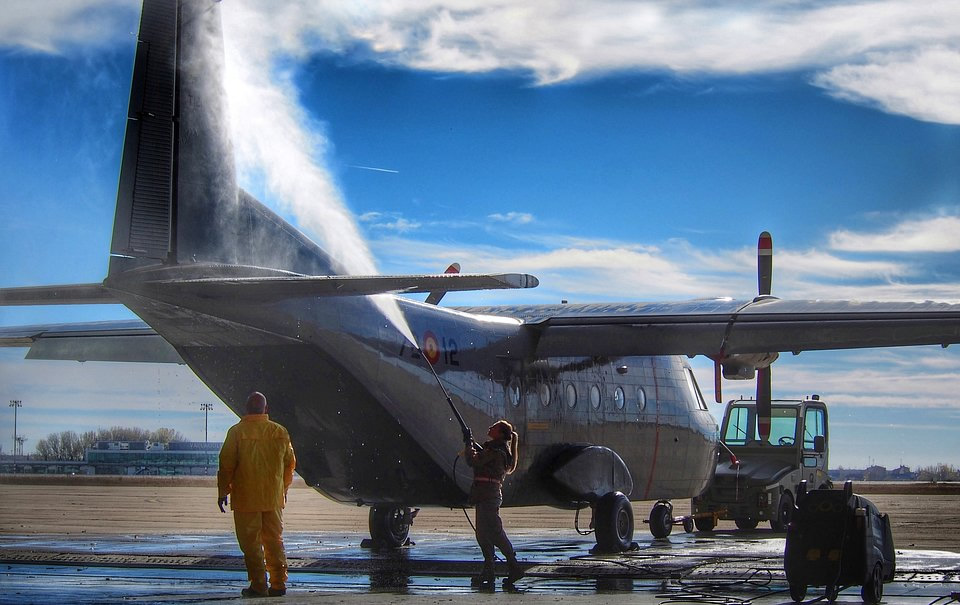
(661, 519)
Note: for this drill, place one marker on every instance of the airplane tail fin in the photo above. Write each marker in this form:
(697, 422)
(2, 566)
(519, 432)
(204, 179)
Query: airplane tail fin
(178, 202)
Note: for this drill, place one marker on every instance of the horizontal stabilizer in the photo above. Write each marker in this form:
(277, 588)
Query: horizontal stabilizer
(275, 288)
(72, 294)
(124, 340)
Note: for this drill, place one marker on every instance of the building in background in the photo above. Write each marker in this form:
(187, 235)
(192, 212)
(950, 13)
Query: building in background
(127, 458)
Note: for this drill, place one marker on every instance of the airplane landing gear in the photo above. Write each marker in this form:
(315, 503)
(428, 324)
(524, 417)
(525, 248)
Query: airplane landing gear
(390, 525)
(613, 522)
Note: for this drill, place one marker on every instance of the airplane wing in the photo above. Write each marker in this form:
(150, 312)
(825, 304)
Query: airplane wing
(724, 327)
(125, 340)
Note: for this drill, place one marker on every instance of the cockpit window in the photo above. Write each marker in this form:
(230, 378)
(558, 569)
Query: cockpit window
(695, 390)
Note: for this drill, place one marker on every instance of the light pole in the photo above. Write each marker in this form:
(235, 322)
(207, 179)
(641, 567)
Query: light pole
(206, 407)
(15, 403)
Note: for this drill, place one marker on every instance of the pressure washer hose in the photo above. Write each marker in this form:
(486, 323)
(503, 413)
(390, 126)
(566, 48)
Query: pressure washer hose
(467, 433)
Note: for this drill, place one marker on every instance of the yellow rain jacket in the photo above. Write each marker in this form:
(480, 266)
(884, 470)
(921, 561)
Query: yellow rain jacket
(256, 465)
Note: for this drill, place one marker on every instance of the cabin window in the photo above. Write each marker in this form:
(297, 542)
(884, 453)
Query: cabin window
(737, 430)
(595, 397)
(514, 392)
(694, 389)
(544, 394)
(641, 399)
(570, 395)
(783, 427)
(618, 398)
(814, 425)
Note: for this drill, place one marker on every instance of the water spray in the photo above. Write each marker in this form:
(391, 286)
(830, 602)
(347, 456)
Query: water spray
(467, 433)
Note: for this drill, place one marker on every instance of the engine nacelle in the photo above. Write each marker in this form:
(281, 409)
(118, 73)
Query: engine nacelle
(743, 366)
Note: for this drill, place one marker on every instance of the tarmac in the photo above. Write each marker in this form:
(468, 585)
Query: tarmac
(716, 568)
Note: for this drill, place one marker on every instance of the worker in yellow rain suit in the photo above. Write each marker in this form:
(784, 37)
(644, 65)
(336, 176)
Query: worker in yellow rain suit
(256, 469)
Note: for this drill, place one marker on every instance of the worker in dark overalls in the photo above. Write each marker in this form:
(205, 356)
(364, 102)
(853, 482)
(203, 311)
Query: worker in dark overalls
(491, 462)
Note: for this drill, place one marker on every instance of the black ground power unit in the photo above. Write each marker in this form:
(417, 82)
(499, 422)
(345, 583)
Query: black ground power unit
(838, 539)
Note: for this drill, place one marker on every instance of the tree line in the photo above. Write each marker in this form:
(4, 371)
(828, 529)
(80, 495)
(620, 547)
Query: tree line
(938, 472)
(69, 445)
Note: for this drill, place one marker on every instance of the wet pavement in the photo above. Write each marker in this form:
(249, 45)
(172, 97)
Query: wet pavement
(719, 568)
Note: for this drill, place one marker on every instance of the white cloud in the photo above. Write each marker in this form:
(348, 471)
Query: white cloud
(388, 222)
(937, 234)
(516, 218)
(49, 26)
(399, 225)
(604, 270)
(898, 55)
(923, 83)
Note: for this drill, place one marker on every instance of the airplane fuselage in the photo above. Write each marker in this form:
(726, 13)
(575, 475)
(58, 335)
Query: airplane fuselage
(371, 425)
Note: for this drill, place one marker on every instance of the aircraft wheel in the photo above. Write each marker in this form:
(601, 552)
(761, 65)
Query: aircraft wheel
(746, 523)
(831, 593)
(872, 591)
(798, 592)
(389, 526)
(705, 523)
(784, 513)
(661, 519)
(613, 522)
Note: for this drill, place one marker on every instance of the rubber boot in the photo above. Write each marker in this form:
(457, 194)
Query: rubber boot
(486, 574)
(514, 571)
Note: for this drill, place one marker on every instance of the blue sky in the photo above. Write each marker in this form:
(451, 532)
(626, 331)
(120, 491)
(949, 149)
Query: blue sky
(618, 152)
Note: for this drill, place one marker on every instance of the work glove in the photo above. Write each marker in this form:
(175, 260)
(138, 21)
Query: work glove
(221, 503)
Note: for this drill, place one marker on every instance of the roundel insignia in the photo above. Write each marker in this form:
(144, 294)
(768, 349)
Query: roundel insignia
(431, 348)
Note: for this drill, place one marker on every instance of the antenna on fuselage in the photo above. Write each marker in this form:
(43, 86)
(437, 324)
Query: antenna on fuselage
(467, 434)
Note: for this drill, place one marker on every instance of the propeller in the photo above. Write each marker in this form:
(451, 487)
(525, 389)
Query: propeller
(764, 283)
(763, 375)
(764, 263)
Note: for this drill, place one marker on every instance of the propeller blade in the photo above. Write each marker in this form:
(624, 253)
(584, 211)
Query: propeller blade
(717, 380)
(763, 403)
(764, 264)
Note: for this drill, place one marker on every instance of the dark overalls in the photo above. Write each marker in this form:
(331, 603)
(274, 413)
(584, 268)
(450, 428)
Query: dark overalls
(489, 468)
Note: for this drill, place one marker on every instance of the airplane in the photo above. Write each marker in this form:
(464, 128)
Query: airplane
(377, 390)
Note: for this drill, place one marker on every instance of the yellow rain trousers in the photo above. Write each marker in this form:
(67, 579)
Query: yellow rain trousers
(260, 536)
(256, 469)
